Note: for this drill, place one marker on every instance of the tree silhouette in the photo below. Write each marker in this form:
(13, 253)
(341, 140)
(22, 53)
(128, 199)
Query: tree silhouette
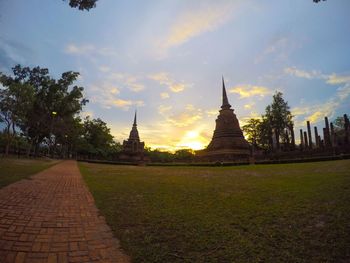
(82, 4)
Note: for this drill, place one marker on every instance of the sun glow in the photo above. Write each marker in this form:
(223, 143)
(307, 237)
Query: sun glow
(193, 140)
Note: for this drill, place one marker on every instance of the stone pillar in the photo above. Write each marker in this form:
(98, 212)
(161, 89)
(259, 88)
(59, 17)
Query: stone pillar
(305, 140)
(274, 141)
(309, 134)
(325, 137)
(287, 142)
(292, 137)
(301, 139)
(347, 130)
(333, 142)
(320, 141)
(317, 138)
(326, 134)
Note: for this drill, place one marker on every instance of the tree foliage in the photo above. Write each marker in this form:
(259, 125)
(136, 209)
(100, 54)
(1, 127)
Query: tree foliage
(44, 113)
(181, 155)
(96, 140)
(83, 4)
(38, 105)
(252, 130)
(277, 121)
(279, 118)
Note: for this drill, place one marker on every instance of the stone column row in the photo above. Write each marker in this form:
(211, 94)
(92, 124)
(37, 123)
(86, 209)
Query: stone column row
(330, 137)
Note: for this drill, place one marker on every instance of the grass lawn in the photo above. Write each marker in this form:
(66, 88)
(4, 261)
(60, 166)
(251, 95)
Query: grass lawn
(262, 213)
(12, 170)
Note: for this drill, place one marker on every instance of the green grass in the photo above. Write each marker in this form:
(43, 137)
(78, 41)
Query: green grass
(262, 213)
(12, 170)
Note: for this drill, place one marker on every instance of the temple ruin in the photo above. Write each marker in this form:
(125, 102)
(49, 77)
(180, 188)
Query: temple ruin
(228, 143)
(133, 148)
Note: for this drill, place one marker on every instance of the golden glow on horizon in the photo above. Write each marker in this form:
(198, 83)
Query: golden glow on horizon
(191, 140)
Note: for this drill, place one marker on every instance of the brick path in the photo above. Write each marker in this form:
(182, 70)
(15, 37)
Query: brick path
(53, 218)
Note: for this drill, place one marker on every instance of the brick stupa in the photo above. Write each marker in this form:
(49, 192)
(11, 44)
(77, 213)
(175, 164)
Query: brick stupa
(228, 143)
(133, 148)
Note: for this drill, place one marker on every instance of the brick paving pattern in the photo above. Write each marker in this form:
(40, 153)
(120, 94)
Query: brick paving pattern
(53, 218)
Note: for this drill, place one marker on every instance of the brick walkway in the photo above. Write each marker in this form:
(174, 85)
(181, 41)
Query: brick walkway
(53, 218)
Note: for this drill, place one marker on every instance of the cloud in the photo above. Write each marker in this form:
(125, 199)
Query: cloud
(128, 80)
(335, 79)
(79, 50)
(183, 118)
(164, 95)
(163, 78)
(162, 109)
(104, 69)
(278, 49)
(120, 103)
(246, 91)
(191, 23)
(12, 53)
(316, 112)
(108, 96)
(249, 106)
(89, 49)
(331, 79)
(212, 112)
(302, 73)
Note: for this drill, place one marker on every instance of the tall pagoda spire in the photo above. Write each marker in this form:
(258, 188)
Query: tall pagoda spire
(227, 143)
(135, 119)
(225, 104)
(133, 148)
(134, 134)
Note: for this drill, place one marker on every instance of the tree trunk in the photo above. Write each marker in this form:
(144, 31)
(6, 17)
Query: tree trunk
(277, 133)
(8, 141)
(7, 148)
(29, 148)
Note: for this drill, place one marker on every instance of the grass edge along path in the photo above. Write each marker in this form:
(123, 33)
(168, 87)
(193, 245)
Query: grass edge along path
(12, 169)
(270, 213)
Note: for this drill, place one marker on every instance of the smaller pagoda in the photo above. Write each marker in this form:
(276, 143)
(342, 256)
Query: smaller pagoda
(228, 143)
(133, 148)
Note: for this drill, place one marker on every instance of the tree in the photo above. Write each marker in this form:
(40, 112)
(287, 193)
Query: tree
(184, 155)
(339, 127)
(339, 123)
(252, 130)
(83, 4)
(41, 102)
(16, 100)
(159, 156)
(96, 140)
(259, 133)
(279, 118)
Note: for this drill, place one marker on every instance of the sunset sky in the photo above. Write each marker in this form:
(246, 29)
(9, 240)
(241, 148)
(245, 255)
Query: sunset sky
(166, 58)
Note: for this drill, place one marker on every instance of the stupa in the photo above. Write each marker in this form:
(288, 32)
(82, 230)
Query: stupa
(228, 143)
(133, 148)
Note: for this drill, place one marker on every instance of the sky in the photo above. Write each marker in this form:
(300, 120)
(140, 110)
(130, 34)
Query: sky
(166, 59)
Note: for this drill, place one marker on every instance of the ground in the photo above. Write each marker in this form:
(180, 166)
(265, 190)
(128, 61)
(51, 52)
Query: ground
(13, 170)
(53, 218)
(261, 213)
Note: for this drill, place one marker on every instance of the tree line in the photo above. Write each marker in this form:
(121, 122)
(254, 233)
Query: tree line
(41, 115)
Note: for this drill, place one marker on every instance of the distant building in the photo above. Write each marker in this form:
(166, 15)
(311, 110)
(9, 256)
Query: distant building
(133, 148)
(228, 143)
